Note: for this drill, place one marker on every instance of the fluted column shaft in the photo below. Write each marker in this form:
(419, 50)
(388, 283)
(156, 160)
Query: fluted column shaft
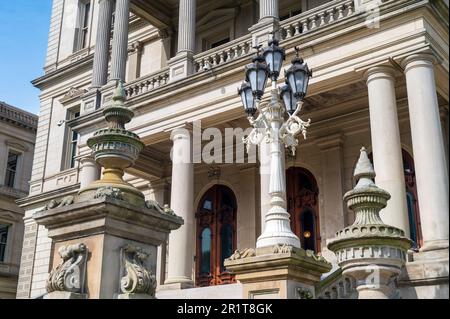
(186, 26)
(386, 146)
(101, 55)
(268, 9)
(428, 147)
(182, 240)
(120, 41)
(264, 180)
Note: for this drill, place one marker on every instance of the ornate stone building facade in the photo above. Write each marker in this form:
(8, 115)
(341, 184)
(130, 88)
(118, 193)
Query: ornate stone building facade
(17, 138)
(380, 79)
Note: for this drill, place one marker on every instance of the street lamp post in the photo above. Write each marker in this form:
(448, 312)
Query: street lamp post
(278, 124)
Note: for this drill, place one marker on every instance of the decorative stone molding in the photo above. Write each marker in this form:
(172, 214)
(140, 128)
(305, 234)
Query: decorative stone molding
(69, 275)
(72, 94)
(66, 201)
(242, 253)
(282, 249)
(136, 277)
(108, 192)
(304, 293)
(151, 204)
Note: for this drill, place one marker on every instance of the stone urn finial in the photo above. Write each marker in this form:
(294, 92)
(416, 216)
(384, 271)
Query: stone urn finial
(115, 149)
(370, 251)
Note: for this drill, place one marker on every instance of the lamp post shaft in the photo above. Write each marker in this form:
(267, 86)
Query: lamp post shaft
(277, 230)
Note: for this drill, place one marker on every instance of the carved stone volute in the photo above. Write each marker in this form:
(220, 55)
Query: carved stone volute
(69, 275)
(136, 277)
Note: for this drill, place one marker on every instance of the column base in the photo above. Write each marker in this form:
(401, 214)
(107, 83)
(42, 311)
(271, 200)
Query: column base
(260, 31)
(425, 276)
(177, 283)
(434, 245)
(181, 66)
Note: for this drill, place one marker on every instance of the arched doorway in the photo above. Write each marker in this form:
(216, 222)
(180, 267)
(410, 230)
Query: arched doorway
(303, 206)
(216, 235)
(415, 232)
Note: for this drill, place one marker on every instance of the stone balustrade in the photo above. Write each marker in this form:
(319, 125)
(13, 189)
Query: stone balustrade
(147, 83)
(336, 286)
(225, 53)
(316, 18)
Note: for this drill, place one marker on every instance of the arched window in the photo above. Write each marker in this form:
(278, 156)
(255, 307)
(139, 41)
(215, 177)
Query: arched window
(415, 232)
(216, 235)
(302, 202)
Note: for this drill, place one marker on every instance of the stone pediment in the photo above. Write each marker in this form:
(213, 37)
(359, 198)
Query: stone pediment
(72, 94)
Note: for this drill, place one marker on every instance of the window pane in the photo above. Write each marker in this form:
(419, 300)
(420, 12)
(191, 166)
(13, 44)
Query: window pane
(226, 238)
(3, 239)
(205, 262)
(11, 169)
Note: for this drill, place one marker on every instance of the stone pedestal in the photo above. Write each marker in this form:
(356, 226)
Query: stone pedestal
(120, 239)
(277, 272)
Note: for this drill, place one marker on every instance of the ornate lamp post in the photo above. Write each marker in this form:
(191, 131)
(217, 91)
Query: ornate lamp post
(278, 124)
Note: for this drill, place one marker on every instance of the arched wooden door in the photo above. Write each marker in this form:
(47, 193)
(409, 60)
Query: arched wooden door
(216, 236)
(303, 206)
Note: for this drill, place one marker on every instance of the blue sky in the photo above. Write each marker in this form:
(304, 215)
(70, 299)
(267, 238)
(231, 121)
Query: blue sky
(24, 26)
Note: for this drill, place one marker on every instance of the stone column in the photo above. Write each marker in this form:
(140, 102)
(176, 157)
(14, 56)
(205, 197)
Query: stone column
(386, 146)
(428, 146)
(101, 55)
(183, 63)
(186, 26)
(120, 41)
(182, 241)
(333, 189)
(90, 171)
(268, 9)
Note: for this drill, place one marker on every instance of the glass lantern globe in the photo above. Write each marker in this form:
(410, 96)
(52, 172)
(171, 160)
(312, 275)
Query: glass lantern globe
(248, 100)
(290, 101)
(274, 57)
(297, 77)
(256, 74)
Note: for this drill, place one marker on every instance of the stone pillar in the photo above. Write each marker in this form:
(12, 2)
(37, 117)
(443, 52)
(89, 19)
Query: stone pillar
(332, 189)
(386, 146)
(134, 61)
(428, 146)
(101, 55)
(120, 41)
(182, 64)
(182, 241)
(90, 171)
(268, 9)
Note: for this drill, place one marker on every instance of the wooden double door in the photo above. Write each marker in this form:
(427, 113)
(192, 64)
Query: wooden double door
(216, 236)
(303, 206)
